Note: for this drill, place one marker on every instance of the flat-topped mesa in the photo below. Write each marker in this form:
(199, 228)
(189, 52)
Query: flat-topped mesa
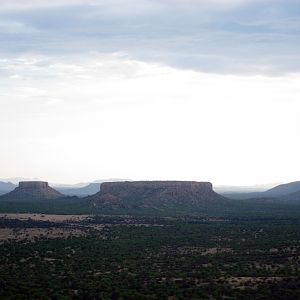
(33, 185)
(32, 190)
(155, 193)
(110, 187)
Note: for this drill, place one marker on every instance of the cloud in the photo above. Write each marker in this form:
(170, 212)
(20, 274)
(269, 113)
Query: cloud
(206, 35)
(117, 5)
(14, 27)
(112, 6)
(208, 4)
(27, 4)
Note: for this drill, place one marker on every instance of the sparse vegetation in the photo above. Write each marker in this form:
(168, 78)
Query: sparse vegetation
(131, 257)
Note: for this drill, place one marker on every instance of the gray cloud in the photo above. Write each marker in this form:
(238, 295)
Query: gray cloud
(125, 6)
(236, 36)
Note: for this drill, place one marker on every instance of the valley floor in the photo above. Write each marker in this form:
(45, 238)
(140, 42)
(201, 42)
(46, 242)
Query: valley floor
(134, 257)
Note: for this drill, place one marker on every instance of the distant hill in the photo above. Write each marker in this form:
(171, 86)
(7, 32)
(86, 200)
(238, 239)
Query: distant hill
(31, 191)
(283, 189)
(6, 187)
(156, 195)
(85, 189)
(279, 191)
(90, 189)
(249, 189)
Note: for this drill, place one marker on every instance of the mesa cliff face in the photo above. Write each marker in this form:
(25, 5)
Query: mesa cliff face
(155, 194)
(32, 190)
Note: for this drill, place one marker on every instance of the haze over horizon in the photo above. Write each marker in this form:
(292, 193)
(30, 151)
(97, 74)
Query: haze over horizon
(203, 90)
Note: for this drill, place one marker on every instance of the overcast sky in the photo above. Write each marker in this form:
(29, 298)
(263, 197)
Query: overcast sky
(205, 90)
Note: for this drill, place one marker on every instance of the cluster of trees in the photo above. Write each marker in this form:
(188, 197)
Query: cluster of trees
(157, 258)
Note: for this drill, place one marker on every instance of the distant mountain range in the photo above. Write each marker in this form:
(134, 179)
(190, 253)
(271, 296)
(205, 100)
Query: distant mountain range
(154, 197)
(289, 192)
(77, 189)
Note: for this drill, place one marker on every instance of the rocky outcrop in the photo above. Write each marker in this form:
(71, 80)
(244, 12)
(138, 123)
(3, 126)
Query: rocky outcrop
(155, 194)
(32, 190)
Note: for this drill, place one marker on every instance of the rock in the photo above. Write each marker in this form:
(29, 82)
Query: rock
(32, 190)
(155, 194)
(33, 185)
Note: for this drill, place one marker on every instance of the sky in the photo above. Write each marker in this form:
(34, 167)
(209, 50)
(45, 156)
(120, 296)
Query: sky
(205, 90)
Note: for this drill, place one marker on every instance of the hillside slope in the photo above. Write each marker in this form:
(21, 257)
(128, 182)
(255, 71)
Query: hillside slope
(283, 189)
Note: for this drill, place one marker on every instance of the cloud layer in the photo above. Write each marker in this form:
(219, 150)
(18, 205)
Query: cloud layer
(238, 36)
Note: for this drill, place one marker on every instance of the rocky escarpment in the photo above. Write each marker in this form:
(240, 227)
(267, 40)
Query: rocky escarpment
(156, 194)
(32, 190)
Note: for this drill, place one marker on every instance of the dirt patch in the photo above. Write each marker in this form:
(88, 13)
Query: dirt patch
(46, 217)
